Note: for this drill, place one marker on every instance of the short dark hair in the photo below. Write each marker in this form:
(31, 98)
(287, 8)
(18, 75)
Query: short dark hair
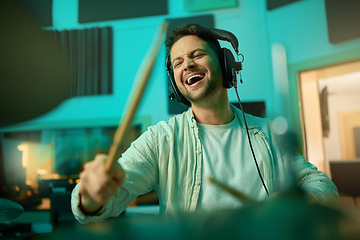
(192, 29)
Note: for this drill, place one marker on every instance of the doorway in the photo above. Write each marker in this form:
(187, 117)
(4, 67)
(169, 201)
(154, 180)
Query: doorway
(329, 100)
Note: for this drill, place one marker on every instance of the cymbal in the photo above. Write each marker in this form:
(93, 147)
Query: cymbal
(34, 74)
(9, 210)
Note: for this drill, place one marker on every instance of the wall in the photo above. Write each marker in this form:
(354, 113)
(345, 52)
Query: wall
(300, 27)
(132, 38)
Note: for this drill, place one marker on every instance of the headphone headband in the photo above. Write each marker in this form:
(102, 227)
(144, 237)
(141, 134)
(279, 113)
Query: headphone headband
(226, 36)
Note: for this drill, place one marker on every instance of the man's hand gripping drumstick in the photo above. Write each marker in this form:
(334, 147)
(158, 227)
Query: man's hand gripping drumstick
(103, 176)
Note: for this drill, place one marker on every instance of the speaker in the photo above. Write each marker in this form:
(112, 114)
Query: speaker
(229, 66)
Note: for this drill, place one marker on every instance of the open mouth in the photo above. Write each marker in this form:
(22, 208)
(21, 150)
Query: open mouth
(194, 79)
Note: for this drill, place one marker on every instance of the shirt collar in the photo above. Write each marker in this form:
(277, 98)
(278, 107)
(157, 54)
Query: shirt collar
(237, 112)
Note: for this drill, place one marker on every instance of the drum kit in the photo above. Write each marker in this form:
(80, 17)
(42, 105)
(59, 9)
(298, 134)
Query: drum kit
(286, 216)
(9, 210)
(35, 75)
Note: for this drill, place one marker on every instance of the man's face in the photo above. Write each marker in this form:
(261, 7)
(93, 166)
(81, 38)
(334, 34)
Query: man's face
(196, 67)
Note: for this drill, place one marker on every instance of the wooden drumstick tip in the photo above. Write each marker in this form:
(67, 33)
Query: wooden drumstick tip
(165, 26)
(133, 102)
(234, 192)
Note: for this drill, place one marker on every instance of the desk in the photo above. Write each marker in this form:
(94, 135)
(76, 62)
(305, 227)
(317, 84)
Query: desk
(284, 217)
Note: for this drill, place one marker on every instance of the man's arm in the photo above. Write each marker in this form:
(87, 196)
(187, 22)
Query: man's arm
(99, 196)
(316, 184)
(96, 187)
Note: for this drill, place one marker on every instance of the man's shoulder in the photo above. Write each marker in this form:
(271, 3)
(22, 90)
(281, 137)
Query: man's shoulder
(253, 122)
(176, 121)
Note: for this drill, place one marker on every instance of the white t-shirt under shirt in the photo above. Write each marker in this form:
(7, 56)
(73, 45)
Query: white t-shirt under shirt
(227, 158)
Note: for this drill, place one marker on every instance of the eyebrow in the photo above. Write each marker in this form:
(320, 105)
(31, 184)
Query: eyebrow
(191, 53)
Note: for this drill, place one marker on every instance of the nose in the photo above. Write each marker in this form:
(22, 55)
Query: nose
(189, 63)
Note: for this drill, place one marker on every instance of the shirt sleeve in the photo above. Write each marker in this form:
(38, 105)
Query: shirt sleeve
(140, 165)
(316, 184)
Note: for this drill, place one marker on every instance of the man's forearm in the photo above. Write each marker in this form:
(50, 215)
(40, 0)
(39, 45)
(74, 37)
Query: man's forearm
(87, 206)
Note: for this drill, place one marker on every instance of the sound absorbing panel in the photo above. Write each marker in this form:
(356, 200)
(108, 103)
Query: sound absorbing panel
(90, 52)
(204, 5)
(104, 10)
(253, 108)
(272, 4)
(343, 19)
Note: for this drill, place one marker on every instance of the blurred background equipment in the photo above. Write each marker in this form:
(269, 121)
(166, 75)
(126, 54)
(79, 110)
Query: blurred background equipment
(345, 174)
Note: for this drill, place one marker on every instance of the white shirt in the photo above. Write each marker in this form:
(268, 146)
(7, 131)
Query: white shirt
(227, 158)
(168, 157)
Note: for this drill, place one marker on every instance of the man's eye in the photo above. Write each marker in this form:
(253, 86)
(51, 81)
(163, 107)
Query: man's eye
(177, 64)
(197, 55)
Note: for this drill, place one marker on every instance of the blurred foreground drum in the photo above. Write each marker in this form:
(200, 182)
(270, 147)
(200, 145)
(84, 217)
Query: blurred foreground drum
(281, 217)
(34, 74)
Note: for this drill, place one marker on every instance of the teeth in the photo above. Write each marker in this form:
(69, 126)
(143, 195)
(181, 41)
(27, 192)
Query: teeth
(196, 75)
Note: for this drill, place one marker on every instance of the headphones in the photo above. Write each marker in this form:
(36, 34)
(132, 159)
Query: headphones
(229, 66)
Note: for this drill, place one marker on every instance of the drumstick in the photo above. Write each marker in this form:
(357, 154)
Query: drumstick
(234, 192)
(139, 86)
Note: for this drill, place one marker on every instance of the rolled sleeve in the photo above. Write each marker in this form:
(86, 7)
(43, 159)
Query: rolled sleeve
(316, 184)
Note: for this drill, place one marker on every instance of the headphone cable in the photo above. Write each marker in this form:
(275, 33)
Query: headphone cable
(251, 147)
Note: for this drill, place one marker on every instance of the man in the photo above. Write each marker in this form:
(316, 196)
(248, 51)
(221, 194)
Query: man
(176, 157)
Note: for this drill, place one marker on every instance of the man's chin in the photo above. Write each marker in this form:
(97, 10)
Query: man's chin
(199, 95)
(195, 99)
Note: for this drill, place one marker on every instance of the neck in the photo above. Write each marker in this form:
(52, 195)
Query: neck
(214, 113)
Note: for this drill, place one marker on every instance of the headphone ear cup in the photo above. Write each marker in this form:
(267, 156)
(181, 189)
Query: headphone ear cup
(228, 67)
(174, 92)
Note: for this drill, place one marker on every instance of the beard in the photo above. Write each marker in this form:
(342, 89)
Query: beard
(205, 93)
